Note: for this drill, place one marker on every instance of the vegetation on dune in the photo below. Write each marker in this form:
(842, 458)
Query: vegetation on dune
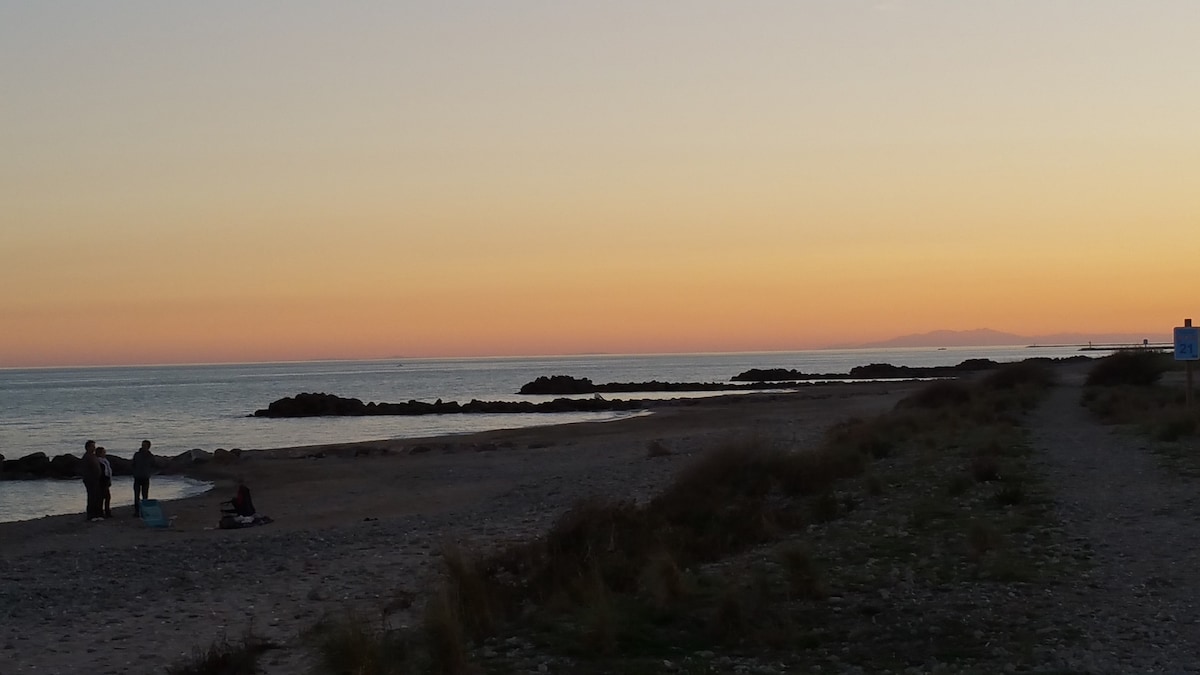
(1130, 388)
(1132, 367)
(223, 657)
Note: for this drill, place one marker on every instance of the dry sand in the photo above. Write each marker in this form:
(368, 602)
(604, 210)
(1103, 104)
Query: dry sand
(356, 526)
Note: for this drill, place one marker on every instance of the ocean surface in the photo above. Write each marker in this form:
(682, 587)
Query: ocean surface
(178, 408)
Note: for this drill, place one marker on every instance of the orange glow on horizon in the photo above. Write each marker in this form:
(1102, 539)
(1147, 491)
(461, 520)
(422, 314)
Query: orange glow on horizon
(392, 180)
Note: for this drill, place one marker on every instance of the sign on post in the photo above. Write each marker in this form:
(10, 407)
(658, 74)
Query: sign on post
(1187, 343)
(1187, 349)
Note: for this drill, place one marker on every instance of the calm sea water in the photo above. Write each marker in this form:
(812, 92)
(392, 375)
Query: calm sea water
(54, 410)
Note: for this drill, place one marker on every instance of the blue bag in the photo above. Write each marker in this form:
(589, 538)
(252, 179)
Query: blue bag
(152, 514)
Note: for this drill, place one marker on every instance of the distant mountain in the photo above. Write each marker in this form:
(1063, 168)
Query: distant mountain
(986, 337)
(980, 337)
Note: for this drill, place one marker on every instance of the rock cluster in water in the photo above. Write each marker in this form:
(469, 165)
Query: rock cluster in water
(565, 384)
(330, 405)
(874, 371)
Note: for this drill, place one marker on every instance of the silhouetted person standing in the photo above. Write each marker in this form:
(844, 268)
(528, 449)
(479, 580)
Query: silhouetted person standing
(143, 465)
(92, 472)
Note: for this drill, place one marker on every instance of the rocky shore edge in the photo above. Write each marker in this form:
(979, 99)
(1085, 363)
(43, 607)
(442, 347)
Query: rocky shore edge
(39, 465)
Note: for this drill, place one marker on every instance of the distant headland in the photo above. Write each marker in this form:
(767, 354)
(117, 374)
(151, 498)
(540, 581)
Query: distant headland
(986, 337)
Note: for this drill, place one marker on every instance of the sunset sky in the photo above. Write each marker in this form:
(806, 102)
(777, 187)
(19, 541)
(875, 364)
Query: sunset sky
(244, 181)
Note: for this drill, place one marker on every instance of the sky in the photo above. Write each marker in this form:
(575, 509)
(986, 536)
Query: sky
(250, 181)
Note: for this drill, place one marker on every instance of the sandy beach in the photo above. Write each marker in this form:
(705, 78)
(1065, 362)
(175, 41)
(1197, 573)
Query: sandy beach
(355, 527)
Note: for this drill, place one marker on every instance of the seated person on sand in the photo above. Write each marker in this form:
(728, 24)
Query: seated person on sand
(243, 505)
(241, 510)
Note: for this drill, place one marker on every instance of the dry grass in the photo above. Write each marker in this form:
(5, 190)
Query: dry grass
(1157, 410)
(663, 581)
(469, 594)
(1036, 373)
(940, 394)
(352, 645)
(223, 657)
(444, 627)
(1137, 367)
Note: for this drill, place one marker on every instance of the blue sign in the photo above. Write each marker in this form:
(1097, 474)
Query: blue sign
(1187, 343)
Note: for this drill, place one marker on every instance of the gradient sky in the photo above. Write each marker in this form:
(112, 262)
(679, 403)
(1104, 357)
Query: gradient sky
(239, 181)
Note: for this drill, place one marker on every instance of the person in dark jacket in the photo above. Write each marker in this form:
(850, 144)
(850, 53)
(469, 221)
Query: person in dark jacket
(143, 465)
(92, 471)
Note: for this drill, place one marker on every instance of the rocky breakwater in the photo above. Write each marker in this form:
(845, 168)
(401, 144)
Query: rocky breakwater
(330, 405)
(38, 465)
(566, 384)
(873, 371)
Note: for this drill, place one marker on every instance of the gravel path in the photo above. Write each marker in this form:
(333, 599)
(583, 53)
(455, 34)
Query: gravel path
(1138, 610)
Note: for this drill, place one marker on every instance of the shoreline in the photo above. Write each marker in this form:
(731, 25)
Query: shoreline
(354, 523)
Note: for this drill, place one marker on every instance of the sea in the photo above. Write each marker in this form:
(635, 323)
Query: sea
(183, 407)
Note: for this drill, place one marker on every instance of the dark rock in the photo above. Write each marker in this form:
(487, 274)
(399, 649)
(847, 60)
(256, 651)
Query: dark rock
(313, 405)
(316, 405)
(559, 384)
(65, 466)
(36, 465)
(163, 462)
(120, 465)
(179, 462)
(567, 385)
(872, 371)
(769, 375)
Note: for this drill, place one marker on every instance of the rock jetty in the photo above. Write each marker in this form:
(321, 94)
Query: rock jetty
(566, 384)
(331, 405)
(38, 465)
(873, 371)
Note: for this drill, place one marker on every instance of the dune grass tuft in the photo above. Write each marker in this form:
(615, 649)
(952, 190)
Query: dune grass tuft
(443, 630)
(223, 657)
(1028, 373)
(352, 645)
(1138, 367)
(940, 394)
